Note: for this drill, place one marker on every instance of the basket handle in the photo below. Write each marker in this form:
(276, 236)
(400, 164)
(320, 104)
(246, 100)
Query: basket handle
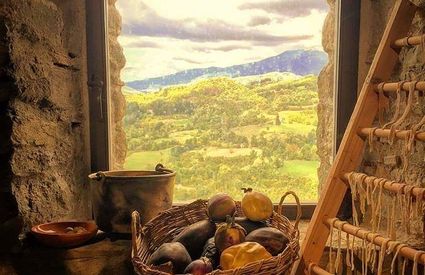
(299, 212)
(135, 232)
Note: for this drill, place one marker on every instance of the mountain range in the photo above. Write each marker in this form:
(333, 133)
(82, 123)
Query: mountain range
(300, 62)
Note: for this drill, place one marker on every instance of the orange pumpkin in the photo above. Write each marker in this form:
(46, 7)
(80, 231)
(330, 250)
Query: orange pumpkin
(242, 254)
(256, 206)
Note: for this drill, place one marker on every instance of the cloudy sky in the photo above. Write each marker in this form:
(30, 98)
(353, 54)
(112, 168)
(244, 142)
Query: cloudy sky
(161, 37)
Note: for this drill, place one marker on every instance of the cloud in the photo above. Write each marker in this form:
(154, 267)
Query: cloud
(224, 48)
(151, 24)
(187, 60)
(259, 20)
(288, 8)
(289, 39)
(141, 44)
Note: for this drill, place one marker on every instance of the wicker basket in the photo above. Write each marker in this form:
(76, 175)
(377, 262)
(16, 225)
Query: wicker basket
(171, 222)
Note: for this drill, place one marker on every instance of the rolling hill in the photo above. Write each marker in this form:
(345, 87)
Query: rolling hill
(300, 62)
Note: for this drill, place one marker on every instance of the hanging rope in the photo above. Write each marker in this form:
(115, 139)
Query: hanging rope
(382, 106)
(412, 134)
(399, 246)
(353, 188)
(370, 139)
(410, 95)
(382, 255)
(332, 226)
(415, 261)
(397, 109)
(352, 248)
(338, 252)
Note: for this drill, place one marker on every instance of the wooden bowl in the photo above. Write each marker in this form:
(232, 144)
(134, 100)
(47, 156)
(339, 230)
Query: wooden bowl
(56, 234)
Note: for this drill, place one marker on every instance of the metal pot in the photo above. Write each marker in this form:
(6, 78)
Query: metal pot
(115, 194)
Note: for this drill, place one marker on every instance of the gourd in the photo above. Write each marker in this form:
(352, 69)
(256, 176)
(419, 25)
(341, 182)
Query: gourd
(229, 233)
(242, 254)
(256, 206)
(219, 206)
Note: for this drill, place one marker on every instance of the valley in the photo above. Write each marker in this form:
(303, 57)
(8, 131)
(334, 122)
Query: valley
(221, 134)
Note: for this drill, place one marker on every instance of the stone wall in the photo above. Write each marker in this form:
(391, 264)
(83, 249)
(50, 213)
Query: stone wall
(325, 128)
(116, 64)
(374, 18)
(44, 144)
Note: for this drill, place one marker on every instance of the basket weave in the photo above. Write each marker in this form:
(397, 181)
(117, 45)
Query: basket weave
(171, 222)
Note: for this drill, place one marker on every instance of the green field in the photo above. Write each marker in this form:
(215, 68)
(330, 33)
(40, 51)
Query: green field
(146, 160)
(221, 134)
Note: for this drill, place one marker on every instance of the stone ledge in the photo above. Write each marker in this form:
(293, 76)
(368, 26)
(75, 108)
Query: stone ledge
(100, 256)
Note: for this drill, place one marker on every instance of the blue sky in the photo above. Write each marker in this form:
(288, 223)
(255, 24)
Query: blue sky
(161, 37)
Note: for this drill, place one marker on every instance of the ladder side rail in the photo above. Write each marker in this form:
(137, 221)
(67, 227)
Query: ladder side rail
(350, 153)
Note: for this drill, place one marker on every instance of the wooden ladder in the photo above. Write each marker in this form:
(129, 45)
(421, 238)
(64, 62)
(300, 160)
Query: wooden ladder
(350, 153)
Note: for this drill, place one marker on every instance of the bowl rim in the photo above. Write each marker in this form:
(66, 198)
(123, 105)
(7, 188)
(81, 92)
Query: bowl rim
(120, 174)
(35, 229)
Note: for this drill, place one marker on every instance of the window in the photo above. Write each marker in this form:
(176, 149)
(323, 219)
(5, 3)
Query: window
(208, 93)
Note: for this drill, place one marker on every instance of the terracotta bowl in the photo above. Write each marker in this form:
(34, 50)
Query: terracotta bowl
(55, 234)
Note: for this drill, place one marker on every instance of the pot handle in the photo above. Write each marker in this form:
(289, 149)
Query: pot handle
(97, 176)
(299, 212)
(136, 229)
(161, 168)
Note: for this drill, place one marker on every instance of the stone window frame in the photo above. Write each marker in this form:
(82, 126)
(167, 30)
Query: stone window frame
(345, 56)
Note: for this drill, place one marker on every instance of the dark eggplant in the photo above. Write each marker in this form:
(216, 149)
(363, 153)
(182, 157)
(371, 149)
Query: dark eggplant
(175, 253)
(273, 240)
(211, 252)
(249, 225)
(194, 237)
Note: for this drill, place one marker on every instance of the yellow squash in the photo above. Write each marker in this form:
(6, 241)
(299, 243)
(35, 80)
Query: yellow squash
(256, 206)
(242, 254)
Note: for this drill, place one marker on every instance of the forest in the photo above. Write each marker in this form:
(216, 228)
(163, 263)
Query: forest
(221, 134)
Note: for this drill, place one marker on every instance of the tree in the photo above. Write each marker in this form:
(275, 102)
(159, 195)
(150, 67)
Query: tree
(277, 120)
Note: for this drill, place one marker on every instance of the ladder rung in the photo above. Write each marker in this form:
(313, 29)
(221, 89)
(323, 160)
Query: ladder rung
(392, 86)
(391, 186)
(384, 133)
(408, 41)
(374, 238)
(315, 269)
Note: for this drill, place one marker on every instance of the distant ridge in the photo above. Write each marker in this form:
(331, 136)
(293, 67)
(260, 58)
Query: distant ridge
(300, 62)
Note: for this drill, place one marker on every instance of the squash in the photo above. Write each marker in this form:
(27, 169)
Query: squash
(219, 206)
(194, 237)
(272, 239)
(228, 234)
(242, 254)
(256, 206)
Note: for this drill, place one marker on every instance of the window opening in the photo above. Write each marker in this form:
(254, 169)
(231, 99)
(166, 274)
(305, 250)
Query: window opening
(225, 93)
